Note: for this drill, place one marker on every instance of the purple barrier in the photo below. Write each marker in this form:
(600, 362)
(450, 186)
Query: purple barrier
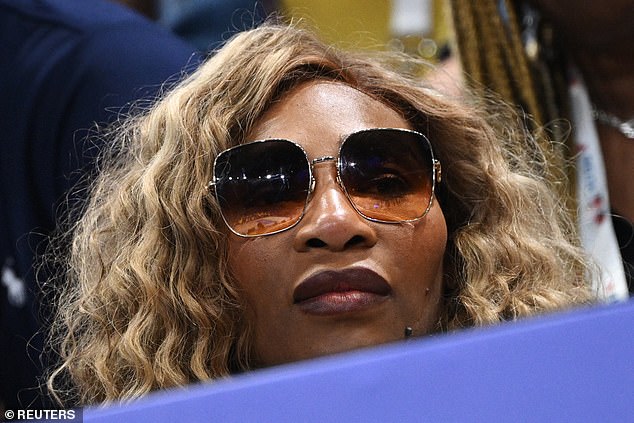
(576, 366)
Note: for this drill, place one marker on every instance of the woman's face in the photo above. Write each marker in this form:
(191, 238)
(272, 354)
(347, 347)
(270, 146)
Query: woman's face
(336, 281)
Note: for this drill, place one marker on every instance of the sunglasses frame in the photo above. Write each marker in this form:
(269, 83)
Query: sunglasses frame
(436, 178)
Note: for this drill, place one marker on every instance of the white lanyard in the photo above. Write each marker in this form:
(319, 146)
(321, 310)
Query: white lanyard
(595, 222)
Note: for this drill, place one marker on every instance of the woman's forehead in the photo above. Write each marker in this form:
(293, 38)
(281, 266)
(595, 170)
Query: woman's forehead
(319, 114)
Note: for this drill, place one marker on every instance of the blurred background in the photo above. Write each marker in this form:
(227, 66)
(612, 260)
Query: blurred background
(420, 27)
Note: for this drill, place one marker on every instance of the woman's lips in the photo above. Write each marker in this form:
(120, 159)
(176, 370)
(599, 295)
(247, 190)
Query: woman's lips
(340, 291)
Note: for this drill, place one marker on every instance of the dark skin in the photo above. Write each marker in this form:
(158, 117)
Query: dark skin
(599, 37)
(332, 236)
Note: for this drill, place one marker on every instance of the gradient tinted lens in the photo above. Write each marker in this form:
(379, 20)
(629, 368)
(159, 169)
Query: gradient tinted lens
(388, 173)
(262, 187)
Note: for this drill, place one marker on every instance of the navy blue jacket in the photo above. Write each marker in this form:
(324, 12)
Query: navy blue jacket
(65, 66)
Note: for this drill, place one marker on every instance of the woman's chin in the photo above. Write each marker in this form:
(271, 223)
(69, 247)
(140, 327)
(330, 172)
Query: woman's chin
(326, 346)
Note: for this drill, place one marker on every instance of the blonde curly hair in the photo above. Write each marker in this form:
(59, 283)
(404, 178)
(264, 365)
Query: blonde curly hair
(148, 301)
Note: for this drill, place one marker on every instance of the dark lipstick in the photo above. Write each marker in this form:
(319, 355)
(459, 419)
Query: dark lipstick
(341, 291)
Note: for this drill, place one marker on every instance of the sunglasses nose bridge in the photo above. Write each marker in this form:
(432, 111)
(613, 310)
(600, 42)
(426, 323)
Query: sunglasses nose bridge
(324, 160)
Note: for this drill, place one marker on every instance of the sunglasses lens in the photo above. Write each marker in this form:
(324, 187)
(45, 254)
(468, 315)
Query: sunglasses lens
(388, 173)
(262, 187)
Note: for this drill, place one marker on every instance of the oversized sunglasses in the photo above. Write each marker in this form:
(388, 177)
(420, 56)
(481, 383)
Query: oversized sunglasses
(263, 187)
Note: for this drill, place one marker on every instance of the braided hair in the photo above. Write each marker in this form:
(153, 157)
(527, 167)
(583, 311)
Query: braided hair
(499, 51)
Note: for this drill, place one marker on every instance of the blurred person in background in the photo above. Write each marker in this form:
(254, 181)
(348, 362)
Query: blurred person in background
(65, 67)
(567, 65)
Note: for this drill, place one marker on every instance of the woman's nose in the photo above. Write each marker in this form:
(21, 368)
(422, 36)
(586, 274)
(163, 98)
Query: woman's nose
(330, 221)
